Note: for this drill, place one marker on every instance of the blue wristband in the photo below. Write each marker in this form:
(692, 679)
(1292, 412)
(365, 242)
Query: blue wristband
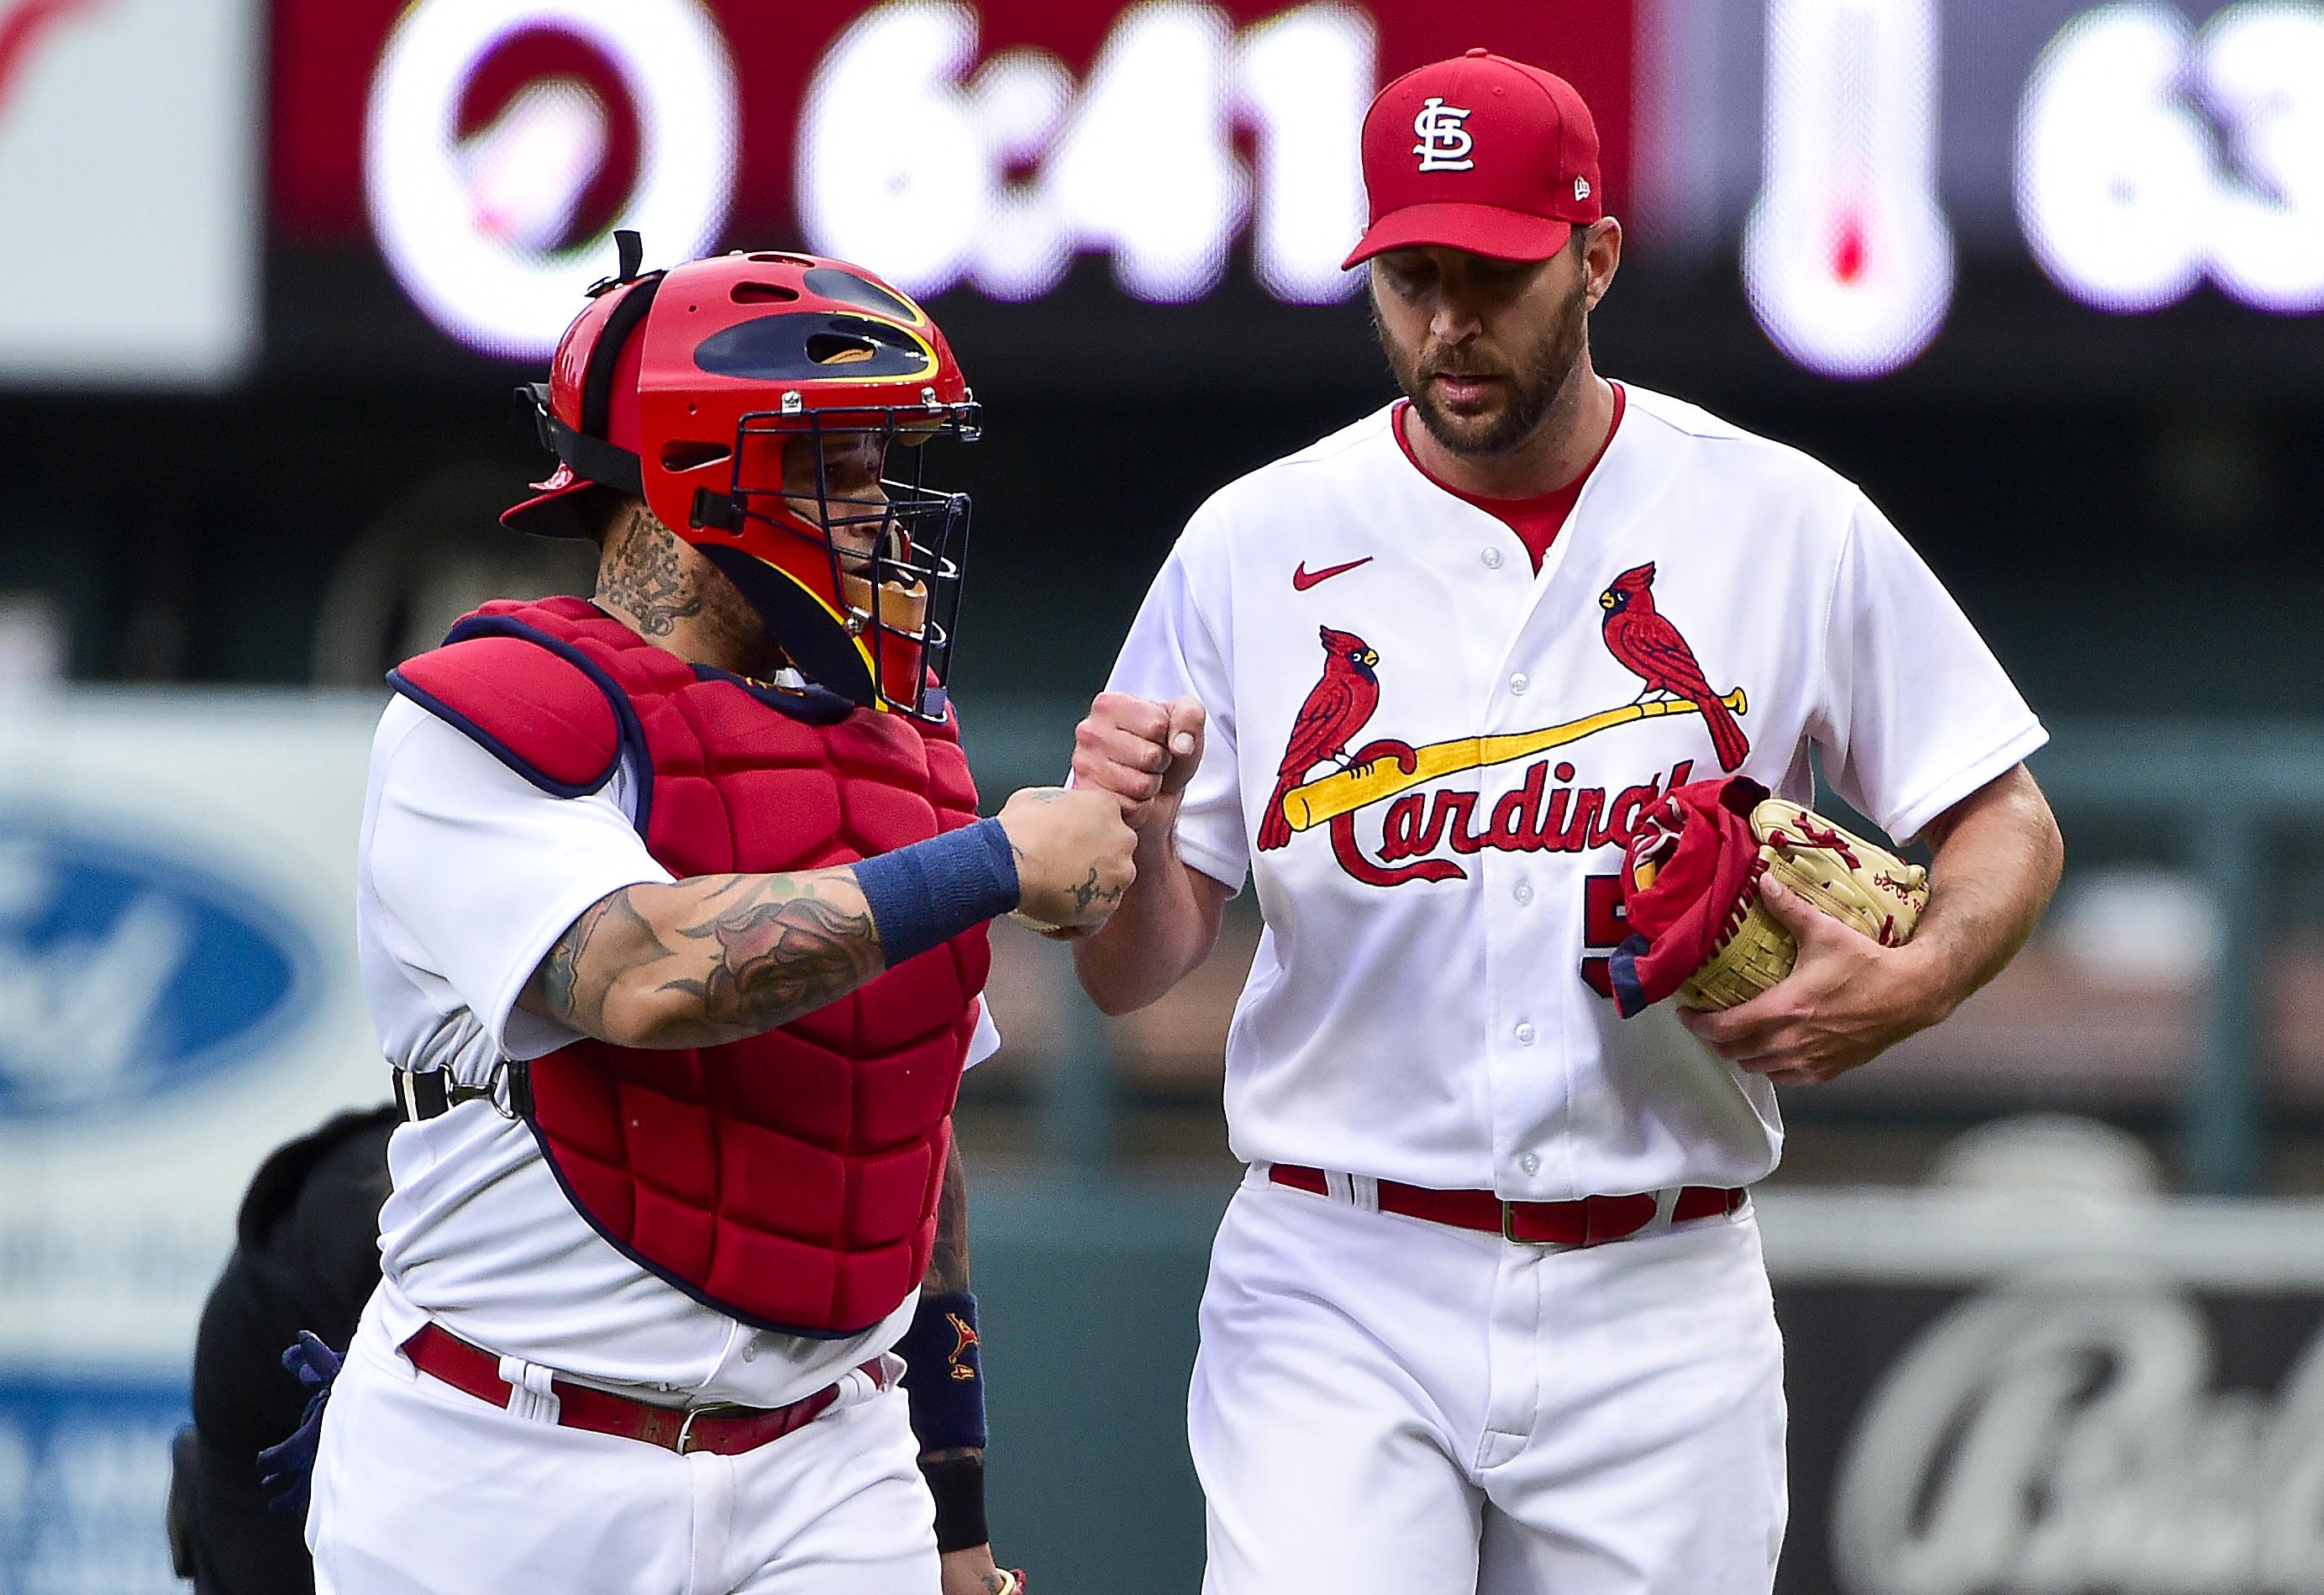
(944, 1372)
(924, 895)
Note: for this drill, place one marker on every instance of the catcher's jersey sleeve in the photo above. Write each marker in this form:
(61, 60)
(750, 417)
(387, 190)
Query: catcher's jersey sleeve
(1175, 649)
(1914, 713)
(474, 873)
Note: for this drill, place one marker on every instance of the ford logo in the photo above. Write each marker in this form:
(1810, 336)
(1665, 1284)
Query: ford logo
(127, 972)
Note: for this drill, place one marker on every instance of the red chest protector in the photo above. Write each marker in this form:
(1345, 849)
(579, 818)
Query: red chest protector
(789, 1179)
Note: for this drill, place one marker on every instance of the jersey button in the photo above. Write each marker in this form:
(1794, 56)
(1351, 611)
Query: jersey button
(1525, 1033)
(1530, 1163)
(1524, 892)
(1493, 559)
(1519, 682)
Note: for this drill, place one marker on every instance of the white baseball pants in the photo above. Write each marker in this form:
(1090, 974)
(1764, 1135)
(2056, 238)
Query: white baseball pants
(1384, 1406)
(419, 1487)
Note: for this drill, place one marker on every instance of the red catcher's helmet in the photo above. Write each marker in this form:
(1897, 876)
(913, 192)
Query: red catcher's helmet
(687, 386)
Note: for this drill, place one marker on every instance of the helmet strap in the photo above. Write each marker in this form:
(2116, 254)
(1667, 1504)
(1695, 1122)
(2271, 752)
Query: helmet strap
(605, 356)
(593, 459)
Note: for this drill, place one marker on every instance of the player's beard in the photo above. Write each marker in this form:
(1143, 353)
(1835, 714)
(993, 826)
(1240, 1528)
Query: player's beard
(1540, 372)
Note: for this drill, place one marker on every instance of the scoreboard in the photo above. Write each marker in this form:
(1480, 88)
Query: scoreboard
(1141, 196)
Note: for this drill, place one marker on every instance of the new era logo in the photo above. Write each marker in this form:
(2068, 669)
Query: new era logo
(1445, 145)
(1581, 188)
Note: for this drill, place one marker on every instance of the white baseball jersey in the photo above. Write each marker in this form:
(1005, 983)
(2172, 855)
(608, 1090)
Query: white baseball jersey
(467, 875)
(1425, 1004)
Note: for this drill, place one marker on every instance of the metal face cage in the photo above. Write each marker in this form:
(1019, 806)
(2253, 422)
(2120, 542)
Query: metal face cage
(909, 542)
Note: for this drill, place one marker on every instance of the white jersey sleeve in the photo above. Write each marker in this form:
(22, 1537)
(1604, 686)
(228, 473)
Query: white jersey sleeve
(1176, 649)
(1914, 713)
(476, 871)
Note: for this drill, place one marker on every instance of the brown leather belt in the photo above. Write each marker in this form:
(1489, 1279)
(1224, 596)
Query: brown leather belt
(722, 1431)
(1589, 1220)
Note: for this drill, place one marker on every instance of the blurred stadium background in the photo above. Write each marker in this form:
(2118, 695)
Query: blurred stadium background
(2044, 275)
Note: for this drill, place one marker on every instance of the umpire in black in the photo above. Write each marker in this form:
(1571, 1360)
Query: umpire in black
(306, 1256)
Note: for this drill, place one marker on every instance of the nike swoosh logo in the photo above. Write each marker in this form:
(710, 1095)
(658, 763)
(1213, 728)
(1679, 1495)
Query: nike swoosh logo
(1302, 578)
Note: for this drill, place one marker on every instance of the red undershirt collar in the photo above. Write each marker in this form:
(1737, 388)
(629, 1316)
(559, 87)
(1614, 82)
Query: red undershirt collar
(1537, 519)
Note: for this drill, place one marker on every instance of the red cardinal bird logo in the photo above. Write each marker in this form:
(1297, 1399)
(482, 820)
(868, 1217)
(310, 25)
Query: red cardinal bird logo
(968, 1337)
(1650, 646)
(1328, 722)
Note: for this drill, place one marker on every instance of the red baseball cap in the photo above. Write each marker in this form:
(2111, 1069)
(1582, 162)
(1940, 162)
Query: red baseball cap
(1481, 153)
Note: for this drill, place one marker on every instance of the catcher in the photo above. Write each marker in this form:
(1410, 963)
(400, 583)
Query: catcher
(670, 908)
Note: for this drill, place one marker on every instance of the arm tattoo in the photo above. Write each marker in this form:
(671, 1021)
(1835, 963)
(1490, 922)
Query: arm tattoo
(572, 984)
(948, 1264)
(749, 952)
(785, 949)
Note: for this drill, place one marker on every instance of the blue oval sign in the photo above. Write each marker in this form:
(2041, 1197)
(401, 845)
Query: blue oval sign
(127, 972)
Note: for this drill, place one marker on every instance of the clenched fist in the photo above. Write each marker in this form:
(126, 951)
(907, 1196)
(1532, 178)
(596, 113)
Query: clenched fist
(1142, 752)
(1073, 854)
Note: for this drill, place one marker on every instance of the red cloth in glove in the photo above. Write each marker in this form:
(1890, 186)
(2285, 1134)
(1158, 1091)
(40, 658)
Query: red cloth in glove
(1707, 858)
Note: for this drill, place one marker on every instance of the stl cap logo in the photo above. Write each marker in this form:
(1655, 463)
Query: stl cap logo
(1445, 145)
(1581, 188)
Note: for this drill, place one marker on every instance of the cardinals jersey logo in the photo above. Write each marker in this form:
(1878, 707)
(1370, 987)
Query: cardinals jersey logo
(1342, 702)
(1651, 648)
(1325, 780)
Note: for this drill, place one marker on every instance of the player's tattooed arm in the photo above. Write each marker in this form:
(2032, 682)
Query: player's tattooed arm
(970, 1570)
(707, 960)
(948, 1263)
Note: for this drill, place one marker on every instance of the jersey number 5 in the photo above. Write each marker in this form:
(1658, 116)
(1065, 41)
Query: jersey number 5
(1604, 925)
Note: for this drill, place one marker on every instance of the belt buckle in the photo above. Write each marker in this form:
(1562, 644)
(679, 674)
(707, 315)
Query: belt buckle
(686, 1425)
(1509, 1230)
(1543, 1243)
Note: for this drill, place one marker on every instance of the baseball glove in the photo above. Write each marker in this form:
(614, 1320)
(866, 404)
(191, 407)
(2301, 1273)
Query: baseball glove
(1739, 950)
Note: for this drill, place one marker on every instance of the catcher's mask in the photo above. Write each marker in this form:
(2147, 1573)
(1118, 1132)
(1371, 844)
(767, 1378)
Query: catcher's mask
(726, 392)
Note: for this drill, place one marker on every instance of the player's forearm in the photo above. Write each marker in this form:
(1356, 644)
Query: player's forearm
(709, 959)
(1167, 923)
(1997, 856)
(943, 1383)
(948, 1264)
